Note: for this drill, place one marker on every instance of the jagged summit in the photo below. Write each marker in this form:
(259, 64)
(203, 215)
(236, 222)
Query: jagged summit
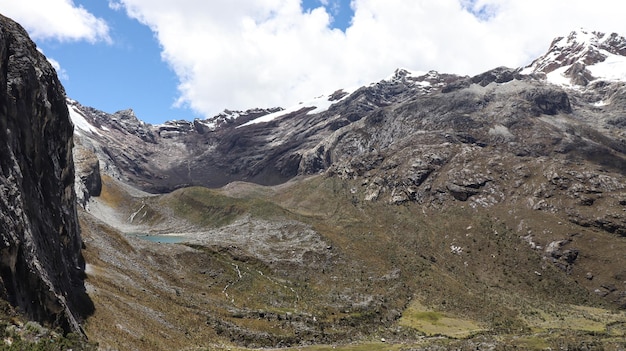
(420, 81)
(581, 57)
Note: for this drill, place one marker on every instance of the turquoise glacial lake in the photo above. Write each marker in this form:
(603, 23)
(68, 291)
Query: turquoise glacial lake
(164, 239)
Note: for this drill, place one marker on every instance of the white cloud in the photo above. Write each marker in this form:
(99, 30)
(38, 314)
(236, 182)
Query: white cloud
(114, 5)
(56, 19)
(240, 53)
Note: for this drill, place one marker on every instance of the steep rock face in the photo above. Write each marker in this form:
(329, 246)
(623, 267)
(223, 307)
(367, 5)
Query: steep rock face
(41, 266)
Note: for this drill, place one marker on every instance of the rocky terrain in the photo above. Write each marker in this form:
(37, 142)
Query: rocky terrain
(41, 265)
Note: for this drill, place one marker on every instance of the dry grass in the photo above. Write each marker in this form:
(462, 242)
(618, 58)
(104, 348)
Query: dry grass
(433, 323)
(578, 318)
(204, 207)
(364, 346)
(112, 194)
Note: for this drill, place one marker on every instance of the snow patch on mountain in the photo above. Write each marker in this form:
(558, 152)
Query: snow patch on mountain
(79, 121)
(272, 116)
(423, 81)
(558, 77)
(612, 68)
(317, 105)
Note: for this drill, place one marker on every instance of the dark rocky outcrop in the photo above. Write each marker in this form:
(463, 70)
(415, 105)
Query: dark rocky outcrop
(41, 267)
(548, 101)
(498, 75)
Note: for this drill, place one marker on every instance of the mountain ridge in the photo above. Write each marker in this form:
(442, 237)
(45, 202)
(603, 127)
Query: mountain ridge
(175, 133)
(581, 57)
(181, 137)
(578, 47)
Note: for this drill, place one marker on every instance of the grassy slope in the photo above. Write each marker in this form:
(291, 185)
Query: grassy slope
(393, 275)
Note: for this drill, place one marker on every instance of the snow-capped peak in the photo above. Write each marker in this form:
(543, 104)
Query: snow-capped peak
(581, 57)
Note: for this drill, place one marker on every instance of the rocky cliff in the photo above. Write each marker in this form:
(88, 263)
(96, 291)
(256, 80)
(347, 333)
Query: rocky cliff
(41, 267)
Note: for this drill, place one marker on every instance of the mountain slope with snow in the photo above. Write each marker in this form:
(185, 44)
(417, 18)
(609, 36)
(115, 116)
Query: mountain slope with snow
(582, 57)
(268, 146)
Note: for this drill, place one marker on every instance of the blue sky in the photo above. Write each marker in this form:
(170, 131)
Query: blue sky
(340, 11)
(189, 59)
(127, 72)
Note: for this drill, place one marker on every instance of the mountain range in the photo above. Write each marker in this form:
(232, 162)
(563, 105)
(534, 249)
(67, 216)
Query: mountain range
(270, 146)
(425, 211)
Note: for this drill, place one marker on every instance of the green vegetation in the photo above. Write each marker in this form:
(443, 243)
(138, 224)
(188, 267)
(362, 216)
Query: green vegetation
(434, 323)
(33, 337)
(20, 335)
(208, 208)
